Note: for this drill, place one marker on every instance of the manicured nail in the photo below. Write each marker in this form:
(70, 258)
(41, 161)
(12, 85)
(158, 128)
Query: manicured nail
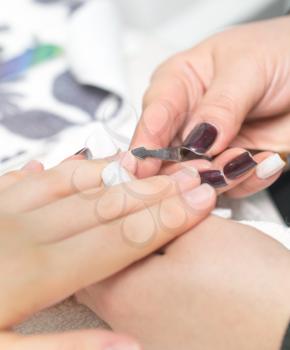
(186, 177)
(33, 165)
(270, 166)
(239, 166)
(201, 138)
(115, 174)
(200, 197)
(129, 162)
(86, 152)
(214, 178)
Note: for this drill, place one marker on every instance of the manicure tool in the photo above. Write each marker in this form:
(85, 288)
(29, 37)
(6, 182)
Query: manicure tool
(170, 154)
(183, 154)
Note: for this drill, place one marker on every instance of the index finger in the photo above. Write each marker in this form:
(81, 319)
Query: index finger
(172, 94)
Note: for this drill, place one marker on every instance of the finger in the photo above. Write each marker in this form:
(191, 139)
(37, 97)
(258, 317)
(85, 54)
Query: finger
(229, 169)
(218, 117)
(34, 166)
(173, 92)
(170, 168)
(13, 177)
(86, 210)
(43, 188)
(78, 340)
(266, 134)
(84, 153)
(268, 170)
(102, 251)
(237, 167)
(215, 173)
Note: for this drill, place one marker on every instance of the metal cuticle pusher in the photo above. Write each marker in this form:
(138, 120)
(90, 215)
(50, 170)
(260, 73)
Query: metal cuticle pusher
(170, 154)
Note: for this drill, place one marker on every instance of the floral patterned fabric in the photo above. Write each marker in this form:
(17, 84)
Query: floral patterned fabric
(40, 98)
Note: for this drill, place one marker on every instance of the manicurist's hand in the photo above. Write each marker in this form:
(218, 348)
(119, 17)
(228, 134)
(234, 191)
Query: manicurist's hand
(62, 230)
(222, 286)
(233, 88)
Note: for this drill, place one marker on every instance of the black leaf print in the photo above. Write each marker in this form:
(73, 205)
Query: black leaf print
(4, 28)
(7, 104)
(35, 124)
(75, 5)
(87, 98)
(8, 158)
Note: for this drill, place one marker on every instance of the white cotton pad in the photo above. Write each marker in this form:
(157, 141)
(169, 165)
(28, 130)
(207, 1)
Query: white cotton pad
(270, 166)
(115, 174)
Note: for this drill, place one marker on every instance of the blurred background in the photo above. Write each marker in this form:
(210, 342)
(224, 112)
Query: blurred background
(72, 72)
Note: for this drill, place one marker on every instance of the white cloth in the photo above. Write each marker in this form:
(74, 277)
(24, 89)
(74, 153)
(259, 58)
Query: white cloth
(113, 52)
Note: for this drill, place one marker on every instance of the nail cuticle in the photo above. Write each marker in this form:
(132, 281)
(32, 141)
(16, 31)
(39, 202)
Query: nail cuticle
(239, 166)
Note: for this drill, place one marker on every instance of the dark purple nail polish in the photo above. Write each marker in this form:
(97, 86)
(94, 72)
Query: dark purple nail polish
(201, 138)
(214, 178)
(86, 152)
(239, 166)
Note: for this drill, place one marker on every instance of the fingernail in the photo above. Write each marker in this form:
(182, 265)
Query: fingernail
(270, 166)
(114, 174)
(239, 166)
(185, 177)
(129, 162)
(199, 197)
(86, 152)
(33, 165)
(201, 138)
(214, 178)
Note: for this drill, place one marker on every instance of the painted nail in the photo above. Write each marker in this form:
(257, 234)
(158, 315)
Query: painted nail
(270, 166)
(200, 197)
(214, 178)
(239, 166)
(201, 138)
(86, 152)
(114, 174)
(186, 177)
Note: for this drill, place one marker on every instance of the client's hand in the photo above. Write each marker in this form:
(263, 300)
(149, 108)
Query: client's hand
(221, 286)
(61, 230)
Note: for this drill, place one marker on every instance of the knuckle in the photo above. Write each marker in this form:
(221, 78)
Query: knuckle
(60, 181)
(223, 107)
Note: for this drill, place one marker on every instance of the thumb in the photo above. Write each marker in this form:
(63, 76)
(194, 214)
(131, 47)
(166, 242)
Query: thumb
(79, 340)
(217, 119)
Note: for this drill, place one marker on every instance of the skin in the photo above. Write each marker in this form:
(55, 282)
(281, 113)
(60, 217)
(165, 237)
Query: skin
(80, 222)
(237, 80)
(54, 223)
(220, 286)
